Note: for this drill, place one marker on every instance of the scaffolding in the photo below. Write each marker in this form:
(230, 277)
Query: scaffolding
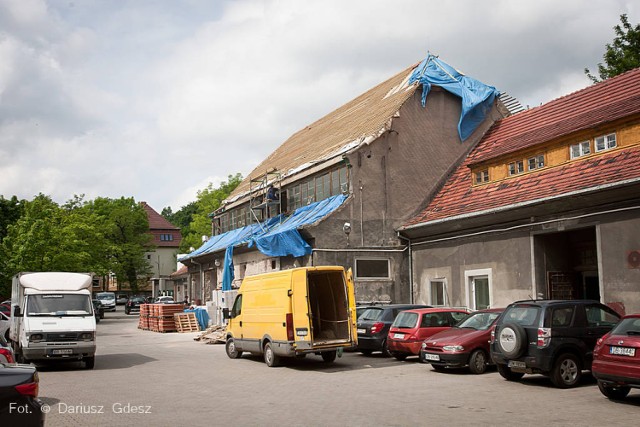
(262, 204)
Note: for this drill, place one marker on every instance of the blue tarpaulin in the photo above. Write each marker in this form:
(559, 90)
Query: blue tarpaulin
(477, 97)
(278, 236)
(202, 316)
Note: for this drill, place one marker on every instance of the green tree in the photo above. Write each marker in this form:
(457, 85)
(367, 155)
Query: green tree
(208, 200)
(126, 231)
(621, 55)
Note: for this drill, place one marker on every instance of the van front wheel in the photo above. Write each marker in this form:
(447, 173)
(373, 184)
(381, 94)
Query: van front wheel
(231, 349)
(329, 356)
(270, 358)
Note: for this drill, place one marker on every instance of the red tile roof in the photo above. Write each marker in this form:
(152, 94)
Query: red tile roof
(157, 221)
(458, 197)
(603, 102)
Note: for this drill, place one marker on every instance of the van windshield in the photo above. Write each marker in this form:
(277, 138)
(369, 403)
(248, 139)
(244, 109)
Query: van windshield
(58, 305)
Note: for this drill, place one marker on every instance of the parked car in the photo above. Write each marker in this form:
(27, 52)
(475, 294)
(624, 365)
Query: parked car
(616, 359)
(98, 310)
(466, 344)
(411, 327)
(5, 324)
(5, 308)
(108, 300)
(121, 299)
(133, 304)
(373, 326)
(19, 389)
(555, 338)
(165, 299)
(6, 352)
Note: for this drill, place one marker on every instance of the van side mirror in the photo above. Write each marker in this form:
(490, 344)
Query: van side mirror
(16, 311)
(225, 314)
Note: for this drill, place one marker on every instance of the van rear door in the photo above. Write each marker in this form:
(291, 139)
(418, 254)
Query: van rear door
(303, 334)
(353, 318)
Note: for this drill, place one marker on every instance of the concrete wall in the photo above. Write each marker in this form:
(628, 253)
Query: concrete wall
(163, 261)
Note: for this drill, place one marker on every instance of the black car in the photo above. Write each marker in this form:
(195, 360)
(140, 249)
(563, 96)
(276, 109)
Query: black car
(19, 403)
(373, 326)
(549, 337)
(98, 310)
(133, 304)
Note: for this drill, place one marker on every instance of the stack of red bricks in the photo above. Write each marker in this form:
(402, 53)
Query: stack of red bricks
(144, 317)
(161, 317)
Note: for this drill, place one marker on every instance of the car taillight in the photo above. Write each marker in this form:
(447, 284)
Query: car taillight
(28, 389)
(377, 327)
(290, 334)
(544, 336)
(7, 355)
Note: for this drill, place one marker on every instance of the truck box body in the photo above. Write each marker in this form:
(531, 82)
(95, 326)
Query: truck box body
(298, 311)
(52, 317)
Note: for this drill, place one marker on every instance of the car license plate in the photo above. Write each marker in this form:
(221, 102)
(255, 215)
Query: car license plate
(517, 364)
(361, 331)
(434, 357)
(62, 351)
(622, 351)
(398, 336)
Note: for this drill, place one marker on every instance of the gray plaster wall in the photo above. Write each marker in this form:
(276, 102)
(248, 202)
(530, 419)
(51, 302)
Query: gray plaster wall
(504, 258)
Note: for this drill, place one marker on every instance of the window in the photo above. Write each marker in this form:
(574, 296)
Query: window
(561, 317)
(344, 184)
(606, 142)
(536, 162)
(516, 167)
(437, 292)
(580, 149)
(598, 317)
(166, 237)
(482, 176)
(335, 182)
(478, 288)
(372, 268)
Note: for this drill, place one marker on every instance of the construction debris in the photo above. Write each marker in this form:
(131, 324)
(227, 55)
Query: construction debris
(214, 334)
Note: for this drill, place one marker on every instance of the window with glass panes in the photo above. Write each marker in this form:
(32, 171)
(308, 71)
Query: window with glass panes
(605, 142)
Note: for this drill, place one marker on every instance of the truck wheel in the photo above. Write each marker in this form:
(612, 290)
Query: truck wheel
(478, 362)
(270, 358)
(89, 362)
(506, 373)
(567, 371)
(230, 347)
(613, 392)
(329, 356)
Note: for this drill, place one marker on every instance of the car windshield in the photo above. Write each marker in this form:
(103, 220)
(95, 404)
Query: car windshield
(630, 326)
(137, 299)
(478, 321)
(105, 296)
(58, 305)
(371, 314)
(524, 315)
(405, 319)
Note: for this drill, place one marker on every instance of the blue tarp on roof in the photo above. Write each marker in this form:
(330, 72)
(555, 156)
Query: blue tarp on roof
(477, 97)
(277, 236)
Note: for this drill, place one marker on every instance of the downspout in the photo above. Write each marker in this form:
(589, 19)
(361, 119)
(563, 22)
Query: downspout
(411, 298)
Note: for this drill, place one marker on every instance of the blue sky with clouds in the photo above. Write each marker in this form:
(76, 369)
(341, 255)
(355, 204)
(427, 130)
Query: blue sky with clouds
(156, 99)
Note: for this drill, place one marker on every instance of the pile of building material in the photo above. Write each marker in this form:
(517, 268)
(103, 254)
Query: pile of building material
(214, 334)
(143, 323)
(186, 322)
(159, 317)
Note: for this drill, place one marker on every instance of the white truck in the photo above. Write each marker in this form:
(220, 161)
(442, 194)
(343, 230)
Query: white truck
(52, 317)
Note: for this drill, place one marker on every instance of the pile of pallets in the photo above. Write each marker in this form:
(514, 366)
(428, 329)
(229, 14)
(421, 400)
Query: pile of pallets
(159, 317)
(186, 322)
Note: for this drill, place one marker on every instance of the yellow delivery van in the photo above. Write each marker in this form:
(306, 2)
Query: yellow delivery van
(292, 313)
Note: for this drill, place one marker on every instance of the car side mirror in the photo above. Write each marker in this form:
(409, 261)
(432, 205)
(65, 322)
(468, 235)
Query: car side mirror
(16, 311)
(225, 314)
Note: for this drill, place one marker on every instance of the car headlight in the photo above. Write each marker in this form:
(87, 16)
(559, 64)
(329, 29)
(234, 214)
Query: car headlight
(86, 336)
(453, 348)
(424, 345)
(36, 337)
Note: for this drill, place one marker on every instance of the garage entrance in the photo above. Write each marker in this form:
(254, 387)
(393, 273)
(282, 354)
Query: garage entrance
(567, 263)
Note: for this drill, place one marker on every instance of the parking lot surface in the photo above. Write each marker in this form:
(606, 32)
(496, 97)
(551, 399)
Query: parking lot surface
(167, 379)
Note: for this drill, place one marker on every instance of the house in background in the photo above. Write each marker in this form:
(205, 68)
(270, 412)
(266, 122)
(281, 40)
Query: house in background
(163, 258)
(336, 191)
(546, 205)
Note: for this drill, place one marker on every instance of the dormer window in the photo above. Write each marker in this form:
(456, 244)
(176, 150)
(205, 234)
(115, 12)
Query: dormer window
(482, 176)
(605, 142)
(536, 162)
(580, 149)
(516, 167)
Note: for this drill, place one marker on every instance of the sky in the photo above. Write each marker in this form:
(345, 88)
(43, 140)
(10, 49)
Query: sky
(156, 99)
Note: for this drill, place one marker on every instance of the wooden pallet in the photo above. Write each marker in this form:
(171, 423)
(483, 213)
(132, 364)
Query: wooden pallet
(186, 322)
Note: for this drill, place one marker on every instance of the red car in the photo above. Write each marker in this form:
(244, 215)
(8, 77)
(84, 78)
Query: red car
(412, 327)
(616, 358)
(466, 344)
